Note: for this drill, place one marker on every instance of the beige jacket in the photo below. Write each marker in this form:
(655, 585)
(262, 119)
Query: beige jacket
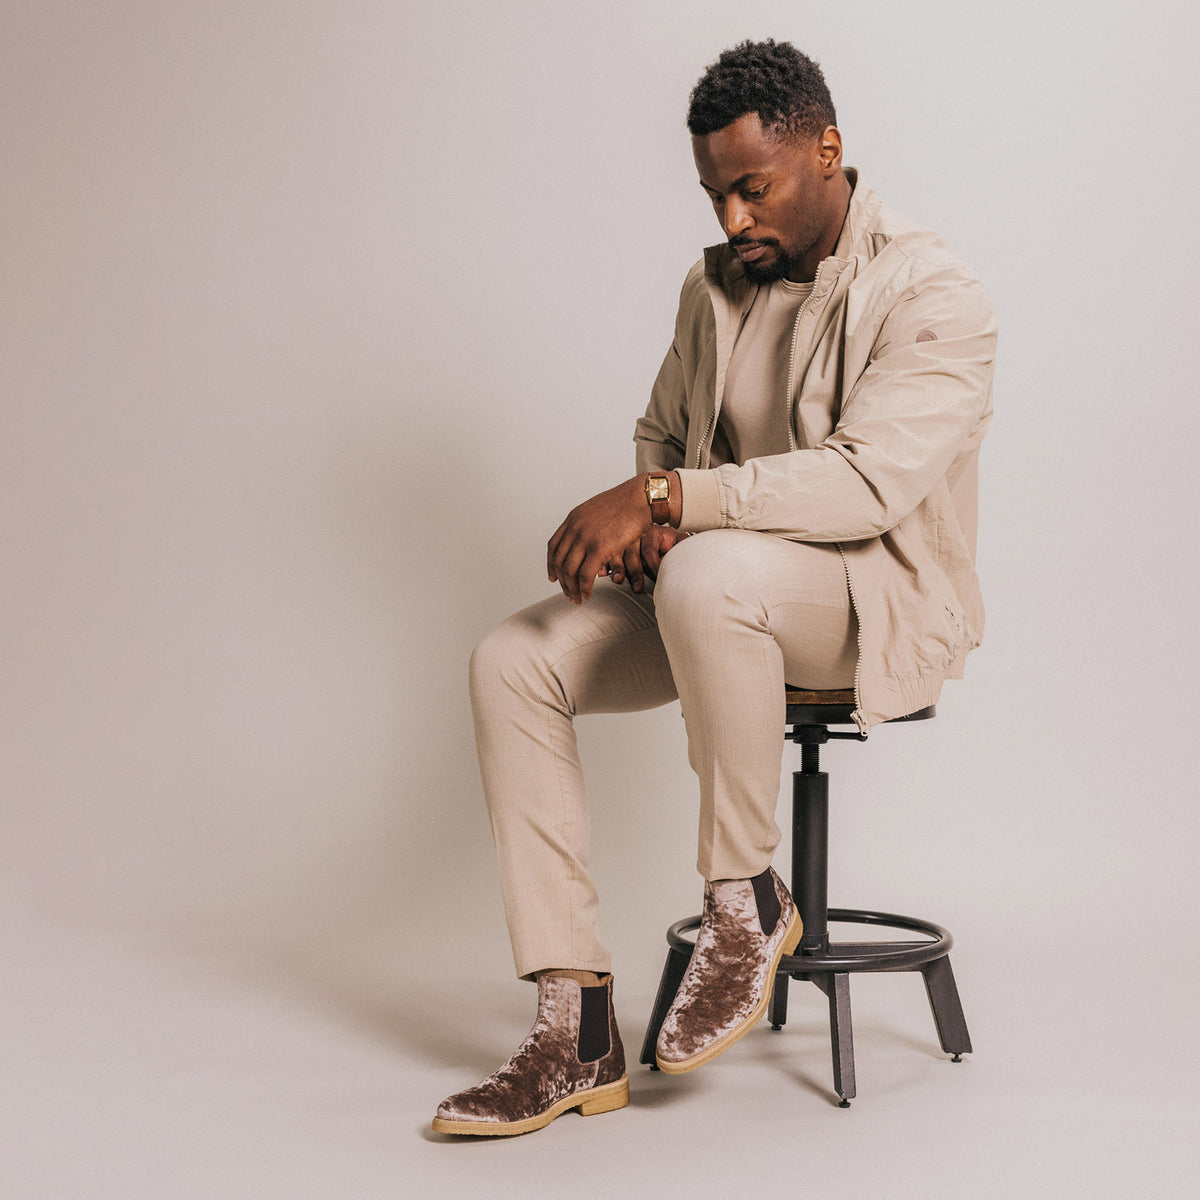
(890, 392)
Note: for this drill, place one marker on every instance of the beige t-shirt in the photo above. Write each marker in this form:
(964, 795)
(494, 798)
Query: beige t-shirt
(755, 409)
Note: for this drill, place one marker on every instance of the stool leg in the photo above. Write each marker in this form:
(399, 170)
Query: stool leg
(841, 1033)
(947, 1008)
(668, 985)
(779, 996)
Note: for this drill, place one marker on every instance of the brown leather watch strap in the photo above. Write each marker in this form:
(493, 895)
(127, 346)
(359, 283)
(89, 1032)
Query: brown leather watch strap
(660, 507)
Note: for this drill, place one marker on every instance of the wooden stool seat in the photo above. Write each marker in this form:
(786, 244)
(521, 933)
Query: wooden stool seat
(800, 696)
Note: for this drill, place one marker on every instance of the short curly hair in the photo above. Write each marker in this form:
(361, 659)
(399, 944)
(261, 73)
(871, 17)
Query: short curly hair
(774, 79)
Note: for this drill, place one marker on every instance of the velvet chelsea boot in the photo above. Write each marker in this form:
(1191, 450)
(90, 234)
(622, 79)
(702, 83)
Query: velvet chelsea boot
(571, 1058)
(747, 927)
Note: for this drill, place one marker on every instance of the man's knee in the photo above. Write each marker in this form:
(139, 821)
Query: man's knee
(703, 575)
(502, 660)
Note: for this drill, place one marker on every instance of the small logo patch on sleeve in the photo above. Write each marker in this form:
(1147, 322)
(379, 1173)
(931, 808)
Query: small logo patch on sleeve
(926, 335)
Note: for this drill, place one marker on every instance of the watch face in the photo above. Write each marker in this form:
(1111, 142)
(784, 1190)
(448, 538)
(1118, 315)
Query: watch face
(658, 489)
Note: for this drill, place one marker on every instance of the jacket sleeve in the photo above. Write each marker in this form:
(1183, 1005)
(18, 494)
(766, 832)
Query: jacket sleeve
(661, 435)
(923, 397)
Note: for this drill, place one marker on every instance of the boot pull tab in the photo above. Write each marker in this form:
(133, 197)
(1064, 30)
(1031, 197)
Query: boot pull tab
(767, 900)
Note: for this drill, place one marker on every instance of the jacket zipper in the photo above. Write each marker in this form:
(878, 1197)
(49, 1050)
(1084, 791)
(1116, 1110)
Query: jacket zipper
(704, 439)
(787, 396)
(857, 714)
(712, 420)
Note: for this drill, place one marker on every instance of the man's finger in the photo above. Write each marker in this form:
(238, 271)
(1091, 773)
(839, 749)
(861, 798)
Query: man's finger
(633, 565)
(564, 560)
(589, 569)
(570, 568)
(552, 552)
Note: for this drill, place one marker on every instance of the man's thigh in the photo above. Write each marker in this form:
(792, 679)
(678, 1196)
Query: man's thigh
(795, 591)
(604, 655)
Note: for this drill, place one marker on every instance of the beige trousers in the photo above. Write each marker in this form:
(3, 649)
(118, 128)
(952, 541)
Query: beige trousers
(733, 614)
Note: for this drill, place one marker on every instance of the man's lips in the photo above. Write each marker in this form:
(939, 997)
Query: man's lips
(750, 251)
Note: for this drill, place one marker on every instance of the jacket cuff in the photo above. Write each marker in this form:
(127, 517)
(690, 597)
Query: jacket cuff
(700, 502)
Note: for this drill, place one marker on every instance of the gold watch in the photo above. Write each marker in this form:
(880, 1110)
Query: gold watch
(658, 496)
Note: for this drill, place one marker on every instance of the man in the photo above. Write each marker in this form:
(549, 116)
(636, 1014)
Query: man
(804, 510)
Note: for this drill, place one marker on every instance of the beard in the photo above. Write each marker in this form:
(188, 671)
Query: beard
(778, 269)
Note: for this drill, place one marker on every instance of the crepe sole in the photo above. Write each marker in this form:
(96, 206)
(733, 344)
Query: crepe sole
(595, 1100)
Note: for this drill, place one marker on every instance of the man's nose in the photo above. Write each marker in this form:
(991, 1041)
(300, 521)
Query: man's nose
(736, 218)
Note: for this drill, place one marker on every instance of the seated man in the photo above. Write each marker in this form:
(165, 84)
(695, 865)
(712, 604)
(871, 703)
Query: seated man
(804, 510)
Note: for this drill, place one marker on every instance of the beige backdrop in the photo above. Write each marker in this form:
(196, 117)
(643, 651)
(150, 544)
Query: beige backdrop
(317, 317)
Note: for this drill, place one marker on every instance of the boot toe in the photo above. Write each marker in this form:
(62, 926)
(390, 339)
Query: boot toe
(453, 1109)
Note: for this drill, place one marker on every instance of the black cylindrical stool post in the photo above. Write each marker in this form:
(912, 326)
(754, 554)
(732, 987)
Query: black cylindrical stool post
(810, 837)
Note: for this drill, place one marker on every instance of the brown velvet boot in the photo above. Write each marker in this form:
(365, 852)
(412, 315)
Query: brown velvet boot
(748, 926)
(571, 1058)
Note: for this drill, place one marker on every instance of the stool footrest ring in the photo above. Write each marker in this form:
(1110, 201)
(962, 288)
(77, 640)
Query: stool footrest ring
(843, 957)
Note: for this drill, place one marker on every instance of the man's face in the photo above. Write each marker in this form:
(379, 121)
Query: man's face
(772, 196)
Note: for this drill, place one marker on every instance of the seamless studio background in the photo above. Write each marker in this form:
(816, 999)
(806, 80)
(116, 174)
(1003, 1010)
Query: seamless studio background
(317, 318)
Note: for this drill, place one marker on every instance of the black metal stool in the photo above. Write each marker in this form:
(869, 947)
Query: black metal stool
(827, 964)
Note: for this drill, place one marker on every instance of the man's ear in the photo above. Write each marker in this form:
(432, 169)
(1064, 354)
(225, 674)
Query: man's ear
(829, 149)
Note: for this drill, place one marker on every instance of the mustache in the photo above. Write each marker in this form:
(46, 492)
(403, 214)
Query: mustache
(742, 240)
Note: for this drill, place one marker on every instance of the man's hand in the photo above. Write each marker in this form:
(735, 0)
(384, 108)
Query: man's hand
(642, 559)
(595, 532)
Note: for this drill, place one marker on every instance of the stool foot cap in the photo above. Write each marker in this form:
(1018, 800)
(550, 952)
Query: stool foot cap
(843, 1103)
(654, 1066)
(956, 1058)
(776, 1028)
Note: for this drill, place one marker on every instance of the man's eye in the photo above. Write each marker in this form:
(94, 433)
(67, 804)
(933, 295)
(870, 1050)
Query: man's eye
(756, 195)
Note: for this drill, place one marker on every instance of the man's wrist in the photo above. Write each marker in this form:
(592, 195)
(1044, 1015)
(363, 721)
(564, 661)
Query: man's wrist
(657, 487)
(663, 493)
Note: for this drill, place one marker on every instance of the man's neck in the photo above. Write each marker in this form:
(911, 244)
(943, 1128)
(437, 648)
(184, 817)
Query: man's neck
(839, 206)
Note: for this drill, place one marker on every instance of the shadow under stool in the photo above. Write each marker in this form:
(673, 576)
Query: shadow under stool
(827, 964)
